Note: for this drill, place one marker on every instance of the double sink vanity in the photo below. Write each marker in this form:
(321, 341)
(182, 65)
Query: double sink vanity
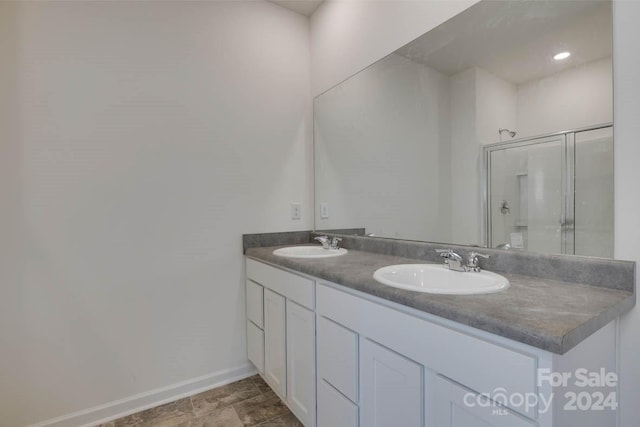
(381, 332)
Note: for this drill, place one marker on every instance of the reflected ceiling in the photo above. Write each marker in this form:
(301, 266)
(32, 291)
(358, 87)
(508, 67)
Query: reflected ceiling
(485, 37)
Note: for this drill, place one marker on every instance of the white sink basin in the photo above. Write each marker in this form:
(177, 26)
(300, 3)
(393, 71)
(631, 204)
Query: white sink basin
(438, 279)
(309, 252)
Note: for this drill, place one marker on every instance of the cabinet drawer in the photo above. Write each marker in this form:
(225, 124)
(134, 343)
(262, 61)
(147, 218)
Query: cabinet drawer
(255, 295)
(255, 346)
(338, 357)
(296, 288)
(335, 410)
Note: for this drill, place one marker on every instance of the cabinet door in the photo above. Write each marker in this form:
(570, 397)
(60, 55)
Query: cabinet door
(335, 410)
(337, 351)
(457, 406)
(275, 342)
(391, 388)
(301, 387)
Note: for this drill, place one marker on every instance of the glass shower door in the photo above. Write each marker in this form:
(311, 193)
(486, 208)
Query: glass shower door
(593, 177)
(526, 205)
(553, 194)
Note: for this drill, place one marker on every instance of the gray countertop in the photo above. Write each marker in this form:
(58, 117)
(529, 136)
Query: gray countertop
(549, 314)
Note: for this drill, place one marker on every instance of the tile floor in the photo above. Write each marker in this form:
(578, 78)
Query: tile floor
(248, 402)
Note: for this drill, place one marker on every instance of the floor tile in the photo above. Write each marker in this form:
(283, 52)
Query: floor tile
(288, 420)
(260, 408)
(221, 397)
(225, 417)
(248, 402)
(167, 415)
(259, 382)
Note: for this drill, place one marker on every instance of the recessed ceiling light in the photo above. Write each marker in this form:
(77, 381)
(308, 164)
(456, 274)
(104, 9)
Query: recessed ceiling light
(562, 55)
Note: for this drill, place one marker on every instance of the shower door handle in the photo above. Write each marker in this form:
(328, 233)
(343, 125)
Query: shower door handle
(566, 224)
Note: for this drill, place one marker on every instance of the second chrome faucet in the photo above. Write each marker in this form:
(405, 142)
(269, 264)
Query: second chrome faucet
(455, 261)
(329, 243)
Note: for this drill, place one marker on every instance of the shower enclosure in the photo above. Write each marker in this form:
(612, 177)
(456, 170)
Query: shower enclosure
(553, 193)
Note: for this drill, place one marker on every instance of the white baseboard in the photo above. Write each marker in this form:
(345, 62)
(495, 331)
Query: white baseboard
(139, 402)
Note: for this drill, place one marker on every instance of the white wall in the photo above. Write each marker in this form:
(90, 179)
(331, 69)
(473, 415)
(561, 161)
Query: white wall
(139, 141)
(496, 104)
(481, 103)
(574, 98)
(393, 119)
(626, 69)
(464, 157)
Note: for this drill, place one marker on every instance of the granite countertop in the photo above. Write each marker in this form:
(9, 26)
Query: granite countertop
(549, 314)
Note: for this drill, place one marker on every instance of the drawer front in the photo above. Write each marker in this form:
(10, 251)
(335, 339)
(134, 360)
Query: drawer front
(255, 346)
(338, 357)
(255, 303)
(296, 288)
(335, 410)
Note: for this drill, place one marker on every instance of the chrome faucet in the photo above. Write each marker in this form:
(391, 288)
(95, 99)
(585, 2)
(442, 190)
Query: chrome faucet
(329, 243)
(326, 243)
(451, 259)
(454, 261)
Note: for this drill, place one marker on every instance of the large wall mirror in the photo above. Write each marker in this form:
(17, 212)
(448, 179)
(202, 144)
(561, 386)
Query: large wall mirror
(475, 134)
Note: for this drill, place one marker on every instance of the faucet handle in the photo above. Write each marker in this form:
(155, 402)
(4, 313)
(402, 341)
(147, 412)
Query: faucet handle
(474, 254)
(335, 242)
(444, 253)
(472, 260)
(449, 254)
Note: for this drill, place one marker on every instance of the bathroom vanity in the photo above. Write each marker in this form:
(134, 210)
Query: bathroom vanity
(341, 349)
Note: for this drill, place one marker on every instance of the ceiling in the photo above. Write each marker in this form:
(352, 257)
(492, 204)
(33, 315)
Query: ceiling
(516, 40)
(305, 7)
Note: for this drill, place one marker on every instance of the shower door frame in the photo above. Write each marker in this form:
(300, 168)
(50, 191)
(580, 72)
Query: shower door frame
(567, 205)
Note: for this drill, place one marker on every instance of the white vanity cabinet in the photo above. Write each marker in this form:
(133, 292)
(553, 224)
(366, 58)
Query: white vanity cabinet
(384, 365)
(281, 335)
(341, 358)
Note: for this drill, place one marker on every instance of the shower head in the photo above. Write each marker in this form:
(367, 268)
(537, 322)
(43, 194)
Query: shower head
(510, 132)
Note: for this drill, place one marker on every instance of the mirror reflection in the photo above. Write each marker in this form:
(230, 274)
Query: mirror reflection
(474, 134)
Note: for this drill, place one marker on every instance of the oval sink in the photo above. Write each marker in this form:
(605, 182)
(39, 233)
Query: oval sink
(438, 279)
(309, 252)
